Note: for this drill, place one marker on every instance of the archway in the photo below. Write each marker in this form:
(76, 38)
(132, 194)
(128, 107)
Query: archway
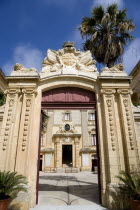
(74, 144)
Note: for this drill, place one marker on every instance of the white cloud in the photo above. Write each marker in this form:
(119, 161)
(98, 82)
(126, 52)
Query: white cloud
(132, 55)
(105, 3)
(26, 55)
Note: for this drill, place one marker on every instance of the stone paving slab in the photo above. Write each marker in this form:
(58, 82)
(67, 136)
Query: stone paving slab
(70, 191)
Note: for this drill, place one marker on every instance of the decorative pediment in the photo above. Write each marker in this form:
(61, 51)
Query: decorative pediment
(68, 57)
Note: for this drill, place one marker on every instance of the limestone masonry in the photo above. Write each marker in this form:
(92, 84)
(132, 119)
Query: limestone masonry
(69, 117)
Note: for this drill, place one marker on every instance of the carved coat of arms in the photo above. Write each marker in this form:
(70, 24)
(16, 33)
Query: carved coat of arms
(68, 56)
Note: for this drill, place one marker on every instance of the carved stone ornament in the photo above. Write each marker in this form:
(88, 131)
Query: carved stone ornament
(68, 56)
(20, 67)
(26, 123)
(8, 122)
(128, 118)
(29, 91)
(111, 123)
(124, 91)
(115, 68)
(12, 91)
(20, 70)
(108, 91)
(63, 130)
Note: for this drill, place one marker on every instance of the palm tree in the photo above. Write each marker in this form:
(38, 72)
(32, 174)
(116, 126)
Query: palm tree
(107, 31)
(2, 99)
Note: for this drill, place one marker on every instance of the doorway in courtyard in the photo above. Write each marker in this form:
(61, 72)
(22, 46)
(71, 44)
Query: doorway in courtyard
(68, 148)
(67, 155)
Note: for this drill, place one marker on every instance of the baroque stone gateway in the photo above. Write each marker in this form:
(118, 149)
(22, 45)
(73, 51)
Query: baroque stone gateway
(68, 116)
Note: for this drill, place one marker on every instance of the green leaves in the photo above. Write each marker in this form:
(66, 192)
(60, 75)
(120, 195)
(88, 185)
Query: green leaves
(11, 183)
(108, 31)
(2, 99)
(44, 120)
(130, 184)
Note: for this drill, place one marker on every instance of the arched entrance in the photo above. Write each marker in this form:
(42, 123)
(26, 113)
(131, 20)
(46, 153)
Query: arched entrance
(70, 143)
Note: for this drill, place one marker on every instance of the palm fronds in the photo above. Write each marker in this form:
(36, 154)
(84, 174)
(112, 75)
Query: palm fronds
(11, 183)
(107, 31)
(130, 184)
(2, 99)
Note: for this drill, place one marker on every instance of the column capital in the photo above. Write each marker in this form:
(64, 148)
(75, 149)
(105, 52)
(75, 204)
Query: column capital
(29, 91)
(108, 91)
(12, 91)
(124, 91)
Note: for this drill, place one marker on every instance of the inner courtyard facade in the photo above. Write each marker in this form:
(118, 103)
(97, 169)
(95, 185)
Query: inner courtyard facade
(68, 137)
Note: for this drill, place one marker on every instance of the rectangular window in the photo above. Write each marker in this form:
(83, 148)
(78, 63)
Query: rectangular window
(91, 116)
(93, 139)
(67, 116)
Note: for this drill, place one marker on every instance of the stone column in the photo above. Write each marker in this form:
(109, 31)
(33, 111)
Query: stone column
(111, 137)
(57, 153)
(77, 152)
(131, 156)
(25, 131)
(10, 129)
(113, 160)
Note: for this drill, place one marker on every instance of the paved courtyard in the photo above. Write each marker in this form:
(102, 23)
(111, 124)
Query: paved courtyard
(68, 191)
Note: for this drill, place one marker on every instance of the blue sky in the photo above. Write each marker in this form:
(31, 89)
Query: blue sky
(30, 27)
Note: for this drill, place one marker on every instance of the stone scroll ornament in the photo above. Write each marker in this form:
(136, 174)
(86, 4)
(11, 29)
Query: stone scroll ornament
(8, 122)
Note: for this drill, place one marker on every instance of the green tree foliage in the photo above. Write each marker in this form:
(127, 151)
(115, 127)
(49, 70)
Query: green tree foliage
(44, 120)
(107, 31)
(2, 99)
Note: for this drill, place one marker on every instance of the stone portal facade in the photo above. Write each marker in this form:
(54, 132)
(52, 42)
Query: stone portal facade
(21, 125)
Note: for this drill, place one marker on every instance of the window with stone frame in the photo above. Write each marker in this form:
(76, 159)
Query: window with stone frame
(93, 139)
(67, 116)
(91, 116)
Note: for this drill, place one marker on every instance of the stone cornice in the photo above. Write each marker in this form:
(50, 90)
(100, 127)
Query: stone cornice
(135, 70)
(115, 77)
(22, 77)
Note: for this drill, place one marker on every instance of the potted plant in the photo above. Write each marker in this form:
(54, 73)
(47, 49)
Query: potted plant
(130, 188)
(10, 184)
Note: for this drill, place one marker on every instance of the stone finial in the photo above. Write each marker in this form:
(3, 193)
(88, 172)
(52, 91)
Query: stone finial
(20, 70)
(68, 44)
(117, 67)
(18, 67)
